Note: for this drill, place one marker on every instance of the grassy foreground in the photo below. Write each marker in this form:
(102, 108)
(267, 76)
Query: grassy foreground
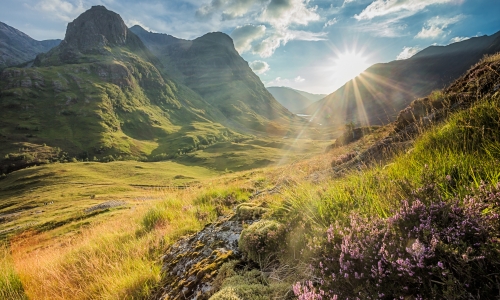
(427, 220)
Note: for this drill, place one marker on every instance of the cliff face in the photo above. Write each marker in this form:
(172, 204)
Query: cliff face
(17, 48)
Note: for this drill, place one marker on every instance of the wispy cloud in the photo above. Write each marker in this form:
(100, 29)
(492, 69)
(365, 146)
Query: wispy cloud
(458, 39)
(63, 10)
(407, 52)
(436, 26)
(281, 37)
(380, 8)
(299, 79)
(330, 22)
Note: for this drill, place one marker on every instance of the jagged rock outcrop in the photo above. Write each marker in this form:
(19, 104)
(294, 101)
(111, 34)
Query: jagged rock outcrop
(94, 32)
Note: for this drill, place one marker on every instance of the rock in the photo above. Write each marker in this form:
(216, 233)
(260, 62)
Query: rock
(191, 264)
(26, 82)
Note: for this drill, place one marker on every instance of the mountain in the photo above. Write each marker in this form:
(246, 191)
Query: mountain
(211, 66)
(17, 48)
(378, 94)
(294, 100)
(310, 96)
(100, 93)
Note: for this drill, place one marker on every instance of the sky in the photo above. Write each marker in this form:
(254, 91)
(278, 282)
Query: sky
(310, 45)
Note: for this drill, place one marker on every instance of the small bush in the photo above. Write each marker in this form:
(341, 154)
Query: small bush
(261, 240)
(156, 216)
(249, 211)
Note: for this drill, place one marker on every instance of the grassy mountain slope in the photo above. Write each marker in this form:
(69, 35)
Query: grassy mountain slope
(17, 48)
(99, 93)
(211, 66)
(318, 218)
(292, 99)
(378, 94)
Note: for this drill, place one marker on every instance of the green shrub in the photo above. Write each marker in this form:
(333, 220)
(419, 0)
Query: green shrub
(249, 211)
(156, 216)
(261, 240)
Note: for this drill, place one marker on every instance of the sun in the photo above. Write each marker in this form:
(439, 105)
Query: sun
(348, 65)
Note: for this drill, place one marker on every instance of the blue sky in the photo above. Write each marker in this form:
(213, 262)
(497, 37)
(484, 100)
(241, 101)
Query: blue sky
(311, 45)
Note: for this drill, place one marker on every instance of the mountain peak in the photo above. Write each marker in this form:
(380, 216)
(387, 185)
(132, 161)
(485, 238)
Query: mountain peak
(138, 28)
(217, 37)
(94, 29)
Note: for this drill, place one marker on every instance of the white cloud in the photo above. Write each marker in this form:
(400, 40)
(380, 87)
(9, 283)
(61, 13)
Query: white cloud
(279, 38)
(408, 52)
(299, 79)
(259, 67)
(283, 13)
(391, 27)
(279, 82)
(267, 47)
(436, 26)
(275, 16)
(458, 39)
(64, 10)
(243, 36)
(385, 7)
(330, 22)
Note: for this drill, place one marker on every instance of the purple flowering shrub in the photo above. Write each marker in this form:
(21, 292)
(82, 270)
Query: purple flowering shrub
(439, 250)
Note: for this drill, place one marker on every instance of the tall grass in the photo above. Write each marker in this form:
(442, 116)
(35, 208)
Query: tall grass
(11, 286)
(115, 259)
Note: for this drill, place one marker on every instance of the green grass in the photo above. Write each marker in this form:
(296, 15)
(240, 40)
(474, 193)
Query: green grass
(56, 195)
(10, 284)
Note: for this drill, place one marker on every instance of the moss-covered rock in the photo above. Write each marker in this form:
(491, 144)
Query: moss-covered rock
(249, 211)
(261, 240)
(191, 265)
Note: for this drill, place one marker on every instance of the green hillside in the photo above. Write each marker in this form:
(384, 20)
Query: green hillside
(90, 98)
(211, 66)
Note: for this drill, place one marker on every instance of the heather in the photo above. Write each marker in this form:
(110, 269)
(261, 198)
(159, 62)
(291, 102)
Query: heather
(423, 225)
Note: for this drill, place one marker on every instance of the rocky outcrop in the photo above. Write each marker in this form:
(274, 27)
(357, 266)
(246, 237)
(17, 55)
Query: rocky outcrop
(93, 33)
(191, 265)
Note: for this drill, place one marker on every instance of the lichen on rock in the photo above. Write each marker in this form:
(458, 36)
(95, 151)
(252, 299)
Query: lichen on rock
(191, 265)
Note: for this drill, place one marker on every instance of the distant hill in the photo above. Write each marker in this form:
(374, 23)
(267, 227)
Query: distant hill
(294, 100)
(100, 93)
(211, 66)
(378, 94)
(17, 47)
